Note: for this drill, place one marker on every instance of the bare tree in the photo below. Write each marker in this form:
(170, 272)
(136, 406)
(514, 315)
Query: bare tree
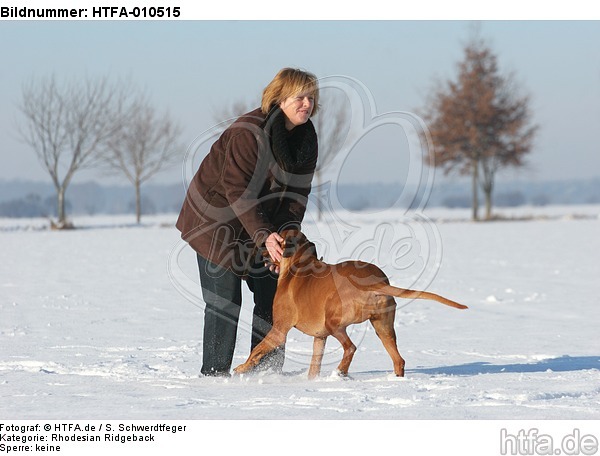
(146, 144)
(67, 126)
(332, 125)
(479, 123)
(226, 115)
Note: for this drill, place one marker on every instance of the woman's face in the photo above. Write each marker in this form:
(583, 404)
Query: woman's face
(297, 109)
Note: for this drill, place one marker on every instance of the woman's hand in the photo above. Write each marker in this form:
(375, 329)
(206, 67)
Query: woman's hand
(273, 246)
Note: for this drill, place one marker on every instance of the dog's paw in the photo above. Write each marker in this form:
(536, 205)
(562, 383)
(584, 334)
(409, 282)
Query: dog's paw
(338, 375)
(241, 369)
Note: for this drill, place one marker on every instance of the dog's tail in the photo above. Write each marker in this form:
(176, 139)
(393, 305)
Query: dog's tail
(389, 290)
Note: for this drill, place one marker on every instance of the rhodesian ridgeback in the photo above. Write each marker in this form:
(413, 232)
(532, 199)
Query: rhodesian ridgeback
(323, 299)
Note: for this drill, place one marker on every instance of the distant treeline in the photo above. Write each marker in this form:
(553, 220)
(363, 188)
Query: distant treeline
(35, 199)
(458, 194)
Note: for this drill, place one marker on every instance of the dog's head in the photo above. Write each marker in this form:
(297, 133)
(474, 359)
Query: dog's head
(294, 241)
(296, 248)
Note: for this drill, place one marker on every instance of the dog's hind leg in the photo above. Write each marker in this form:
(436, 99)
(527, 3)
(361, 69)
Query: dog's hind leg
(384, 327)
(349, 349)
(317, 357)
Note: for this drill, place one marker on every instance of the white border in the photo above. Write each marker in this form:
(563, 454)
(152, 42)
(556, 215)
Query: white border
(341, 10)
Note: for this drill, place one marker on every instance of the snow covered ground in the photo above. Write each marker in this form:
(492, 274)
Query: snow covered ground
(104, 322)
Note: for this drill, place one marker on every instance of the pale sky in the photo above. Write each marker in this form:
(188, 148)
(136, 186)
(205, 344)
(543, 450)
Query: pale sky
(193, 67)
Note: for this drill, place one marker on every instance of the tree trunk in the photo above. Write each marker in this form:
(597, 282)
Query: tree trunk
(60, 208)
(138, 202)
(488, 202)
(475, 185)
(488, 187)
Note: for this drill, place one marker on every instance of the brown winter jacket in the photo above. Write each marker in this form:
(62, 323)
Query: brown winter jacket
(255, 180)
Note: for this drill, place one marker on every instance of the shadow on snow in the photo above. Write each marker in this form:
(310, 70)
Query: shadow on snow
(563, 364)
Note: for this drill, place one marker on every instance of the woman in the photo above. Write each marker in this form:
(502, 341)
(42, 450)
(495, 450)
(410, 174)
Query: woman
(254, 182)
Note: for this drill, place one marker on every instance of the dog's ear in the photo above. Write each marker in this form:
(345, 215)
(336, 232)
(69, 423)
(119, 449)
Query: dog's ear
(312, 250)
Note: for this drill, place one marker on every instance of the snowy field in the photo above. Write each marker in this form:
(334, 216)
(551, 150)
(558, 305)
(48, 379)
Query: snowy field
(104, 322)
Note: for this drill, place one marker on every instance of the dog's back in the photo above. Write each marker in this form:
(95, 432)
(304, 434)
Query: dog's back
(316, 297)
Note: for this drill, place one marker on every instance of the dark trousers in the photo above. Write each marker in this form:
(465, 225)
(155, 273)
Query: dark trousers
(222, 293)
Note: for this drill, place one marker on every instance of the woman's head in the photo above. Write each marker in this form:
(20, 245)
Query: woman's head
(288, 83)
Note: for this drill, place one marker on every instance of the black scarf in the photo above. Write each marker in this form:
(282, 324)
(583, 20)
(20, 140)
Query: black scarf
(292, 149)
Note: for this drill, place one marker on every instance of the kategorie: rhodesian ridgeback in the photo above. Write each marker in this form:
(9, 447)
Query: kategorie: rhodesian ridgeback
(322, 300)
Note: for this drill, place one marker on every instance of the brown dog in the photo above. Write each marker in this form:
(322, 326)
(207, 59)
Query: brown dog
(322, 300)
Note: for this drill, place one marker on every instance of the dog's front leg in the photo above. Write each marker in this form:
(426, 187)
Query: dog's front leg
(272, 340)
(317, 357)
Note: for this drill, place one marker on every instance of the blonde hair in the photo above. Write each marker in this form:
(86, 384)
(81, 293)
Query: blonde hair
(287, 83)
